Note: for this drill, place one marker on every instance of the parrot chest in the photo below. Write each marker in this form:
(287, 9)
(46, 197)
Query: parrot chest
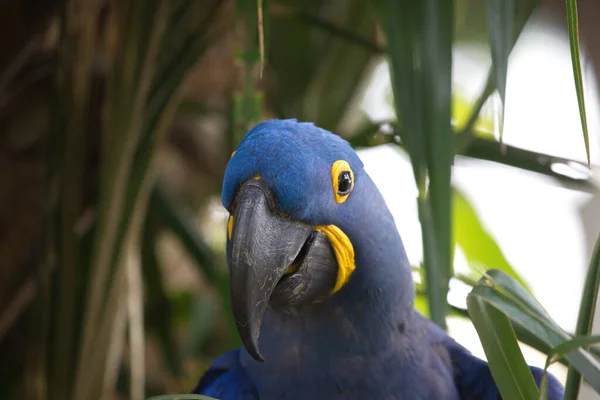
(358, 378)
(349, 364)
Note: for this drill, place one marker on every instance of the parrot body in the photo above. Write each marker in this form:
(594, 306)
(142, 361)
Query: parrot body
(359, 338)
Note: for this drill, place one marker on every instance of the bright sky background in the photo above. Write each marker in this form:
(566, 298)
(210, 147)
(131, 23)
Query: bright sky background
(537, 224)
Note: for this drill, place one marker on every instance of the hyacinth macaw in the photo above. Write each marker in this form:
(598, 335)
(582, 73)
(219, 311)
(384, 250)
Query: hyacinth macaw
(321, 288)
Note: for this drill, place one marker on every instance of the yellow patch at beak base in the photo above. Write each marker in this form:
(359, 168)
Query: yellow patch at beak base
(344, 253)
(230, 227)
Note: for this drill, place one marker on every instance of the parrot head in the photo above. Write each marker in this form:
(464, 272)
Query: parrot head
(296, 196)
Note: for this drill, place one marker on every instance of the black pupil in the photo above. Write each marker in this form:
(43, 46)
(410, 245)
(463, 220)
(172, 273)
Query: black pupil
(344, 183)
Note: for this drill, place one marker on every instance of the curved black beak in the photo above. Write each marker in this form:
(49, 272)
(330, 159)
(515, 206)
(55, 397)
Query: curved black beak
(262, 246)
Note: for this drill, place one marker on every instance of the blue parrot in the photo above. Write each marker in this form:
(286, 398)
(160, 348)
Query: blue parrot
(321, 288)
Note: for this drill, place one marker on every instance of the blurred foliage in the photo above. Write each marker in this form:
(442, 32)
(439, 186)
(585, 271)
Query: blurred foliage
(117, 119)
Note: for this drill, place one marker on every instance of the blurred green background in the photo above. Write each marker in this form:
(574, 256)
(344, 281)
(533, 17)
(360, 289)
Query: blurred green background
(117, 119)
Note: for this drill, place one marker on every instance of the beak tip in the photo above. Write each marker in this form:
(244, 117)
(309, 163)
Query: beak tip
(258, 357)
(252, 349)
(249, 334)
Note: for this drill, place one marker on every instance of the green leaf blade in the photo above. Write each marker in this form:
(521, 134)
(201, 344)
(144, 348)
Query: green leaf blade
(502, 43)
(521, 308)
(436, 60)
(501, 15)
(509, 370)
(573, 344)
(512, 287)
(401, 20)
(436, 298)
(585, 318)
(573, 25)
(419, 38)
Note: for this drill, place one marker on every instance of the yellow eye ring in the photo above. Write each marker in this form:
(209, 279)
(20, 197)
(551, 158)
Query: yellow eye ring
(342, 180)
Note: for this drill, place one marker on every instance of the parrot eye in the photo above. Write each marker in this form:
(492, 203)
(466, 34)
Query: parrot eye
(342, 180)
(344, 183)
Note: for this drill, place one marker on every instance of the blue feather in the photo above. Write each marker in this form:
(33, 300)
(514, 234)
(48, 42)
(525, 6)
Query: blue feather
(365, 341)
(226, 379)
